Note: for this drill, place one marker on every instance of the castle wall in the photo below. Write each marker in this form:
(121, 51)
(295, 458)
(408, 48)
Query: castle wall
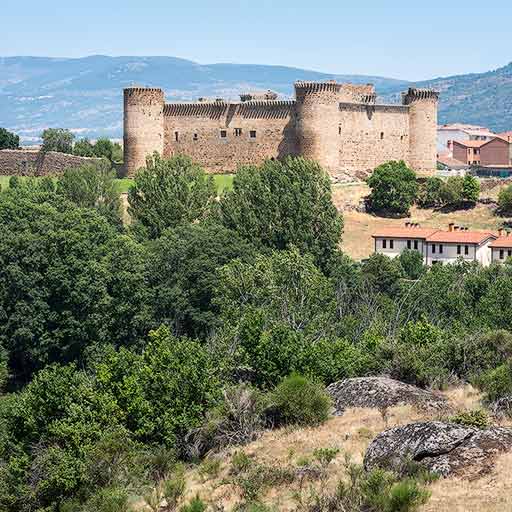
(369, 135)
(22, 162)
(196, 130)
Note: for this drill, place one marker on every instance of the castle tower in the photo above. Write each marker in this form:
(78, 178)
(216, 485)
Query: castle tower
(317, 122)
(422, 129)
(143, 126)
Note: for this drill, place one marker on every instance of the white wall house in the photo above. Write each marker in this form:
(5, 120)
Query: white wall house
(437, 246)
(501, 249)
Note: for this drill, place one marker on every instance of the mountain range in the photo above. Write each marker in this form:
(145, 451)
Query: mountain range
(85, 94)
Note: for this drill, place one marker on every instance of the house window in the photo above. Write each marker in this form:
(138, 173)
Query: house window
(415, 245)
(459, 249)
(252, 134)
(238, 132)
(384, 244)
(176, 136)
(509, 253)
(466, 250)
(502, 254)
(440, 248)
(391, 244)
(408, 244)
(223, 134)
(195, 136)
(433, 248)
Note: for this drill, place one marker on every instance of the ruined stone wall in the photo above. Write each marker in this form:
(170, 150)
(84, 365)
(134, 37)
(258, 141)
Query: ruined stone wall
(143, 126)
(222, 136)
(369, 135)
(20, 162)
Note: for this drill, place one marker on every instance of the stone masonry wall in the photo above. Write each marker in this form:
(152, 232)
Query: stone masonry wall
(369, 135)
(20, 162)
(198, 130)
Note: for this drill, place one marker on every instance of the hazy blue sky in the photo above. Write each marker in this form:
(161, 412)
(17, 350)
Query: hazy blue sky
(411, 39)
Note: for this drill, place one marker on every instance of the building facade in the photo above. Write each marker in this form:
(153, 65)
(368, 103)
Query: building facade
(339, 125)
(496, 151)
(448, 133)
(438, 246)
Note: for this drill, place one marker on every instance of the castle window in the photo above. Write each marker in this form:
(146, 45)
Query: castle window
(238, 132)
(252, 134)
(176, 136)
(223, 134)
(195, 136)
(339, 130)
(381, 135)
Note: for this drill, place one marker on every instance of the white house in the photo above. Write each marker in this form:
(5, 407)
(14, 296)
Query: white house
(437, 246)
(501, 248)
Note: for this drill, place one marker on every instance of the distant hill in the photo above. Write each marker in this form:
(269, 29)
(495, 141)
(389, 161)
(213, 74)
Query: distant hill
(86, 94)
(478, 98)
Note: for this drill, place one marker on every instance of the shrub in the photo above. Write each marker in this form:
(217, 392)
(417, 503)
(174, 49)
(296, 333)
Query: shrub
(195, 505)
(300, 401)
(476, 418)
(496, 383)
(394, 188)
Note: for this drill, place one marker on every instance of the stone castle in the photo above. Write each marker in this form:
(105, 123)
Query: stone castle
(339, 125)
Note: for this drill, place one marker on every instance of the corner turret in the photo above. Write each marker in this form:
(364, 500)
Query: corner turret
(143, 126)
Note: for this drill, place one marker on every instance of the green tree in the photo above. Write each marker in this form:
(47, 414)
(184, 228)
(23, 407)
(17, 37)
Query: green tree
(104, 148)
(182, 274)
(169, 192)
(382, 273)
(412, 263)
(284, 203)
(451, 192)
(8, 140)
(393, 188)
(429, 195)
(505, 200)
(57, 139)
(470, 189)
(57, 280)
(93, 186)
(83, 147)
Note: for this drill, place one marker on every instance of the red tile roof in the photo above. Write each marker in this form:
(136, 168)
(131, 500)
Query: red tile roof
(403, 232)
(471, 143)
(502, 242)
(463, 237)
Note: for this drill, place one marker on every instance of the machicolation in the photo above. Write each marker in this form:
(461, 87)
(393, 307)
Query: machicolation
(339, 125)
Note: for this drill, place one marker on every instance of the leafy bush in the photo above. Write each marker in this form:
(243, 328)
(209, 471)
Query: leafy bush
(430, 193)
(458, 191)
(8, 140)
(393, 188)
(476, 418)
(496, 383)
(195, 505)
(299, 401)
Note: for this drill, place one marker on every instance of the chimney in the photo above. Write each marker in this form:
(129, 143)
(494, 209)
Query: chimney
(451, 226)
(407, 224)
(500, 232)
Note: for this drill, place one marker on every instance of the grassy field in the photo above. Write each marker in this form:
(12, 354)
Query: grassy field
(223, 181)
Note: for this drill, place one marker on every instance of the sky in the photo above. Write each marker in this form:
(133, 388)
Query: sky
(411, 40)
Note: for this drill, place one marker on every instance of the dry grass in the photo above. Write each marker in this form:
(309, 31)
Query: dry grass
(357, 240)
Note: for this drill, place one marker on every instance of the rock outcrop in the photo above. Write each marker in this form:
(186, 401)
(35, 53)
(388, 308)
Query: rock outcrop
(381, 392)
(443, 448)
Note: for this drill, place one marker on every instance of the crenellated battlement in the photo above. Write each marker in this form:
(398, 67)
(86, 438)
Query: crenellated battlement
(340, 125)
(309, 86)
(415, 94)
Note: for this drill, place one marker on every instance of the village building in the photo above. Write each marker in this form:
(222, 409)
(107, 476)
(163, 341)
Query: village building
(494, 152)
(461, 132)
(501, 248)
(436, 246)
